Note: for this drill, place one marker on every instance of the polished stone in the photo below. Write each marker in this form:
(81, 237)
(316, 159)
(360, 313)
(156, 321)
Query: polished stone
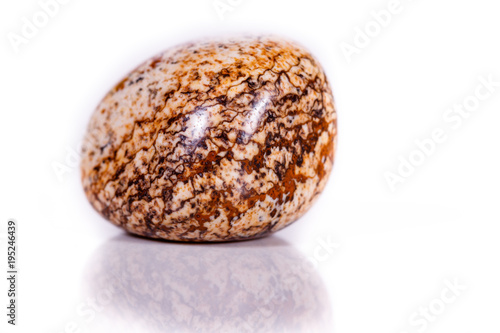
(216, 140)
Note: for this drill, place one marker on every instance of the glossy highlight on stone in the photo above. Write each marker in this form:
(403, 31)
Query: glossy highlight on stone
(216, 140)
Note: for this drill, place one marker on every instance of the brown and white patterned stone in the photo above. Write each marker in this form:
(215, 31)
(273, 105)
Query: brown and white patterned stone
(212, 141)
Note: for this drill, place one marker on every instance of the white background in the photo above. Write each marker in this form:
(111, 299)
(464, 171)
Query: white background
(396, 248)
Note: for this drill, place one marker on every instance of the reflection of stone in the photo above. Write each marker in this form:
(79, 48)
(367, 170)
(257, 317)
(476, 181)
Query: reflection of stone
(257, 286)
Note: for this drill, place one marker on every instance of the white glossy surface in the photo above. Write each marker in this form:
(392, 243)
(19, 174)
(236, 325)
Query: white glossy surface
(392, 252)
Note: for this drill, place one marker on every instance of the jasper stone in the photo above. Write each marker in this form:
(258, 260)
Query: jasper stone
(212, 141)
